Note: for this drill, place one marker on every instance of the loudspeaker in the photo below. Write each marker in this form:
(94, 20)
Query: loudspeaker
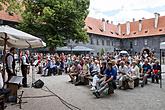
(38, 84)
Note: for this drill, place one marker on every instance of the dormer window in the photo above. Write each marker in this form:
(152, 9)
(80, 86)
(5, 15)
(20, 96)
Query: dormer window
(146, 31)
(90, 27)
(134, 33)
(101, 30)
(11, 13)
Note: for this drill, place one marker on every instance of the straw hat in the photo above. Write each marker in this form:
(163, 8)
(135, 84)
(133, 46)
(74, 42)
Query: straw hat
(109, 63)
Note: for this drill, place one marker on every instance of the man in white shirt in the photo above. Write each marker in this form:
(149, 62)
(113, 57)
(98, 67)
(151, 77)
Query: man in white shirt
(95, 72)
(25, 68)
(123, 71)
(10, 63)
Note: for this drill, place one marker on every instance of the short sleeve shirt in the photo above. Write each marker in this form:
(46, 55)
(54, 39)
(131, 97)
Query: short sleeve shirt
(146, 67)
(110, 73)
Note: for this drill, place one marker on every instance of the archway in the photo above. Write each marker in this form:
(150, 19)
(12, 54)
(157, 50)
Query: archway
(146, 49)
(148, 52)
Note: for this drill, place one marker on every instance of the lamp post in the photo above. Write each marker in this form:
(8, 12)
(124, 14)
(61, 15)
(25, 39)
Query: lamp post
(71, 45)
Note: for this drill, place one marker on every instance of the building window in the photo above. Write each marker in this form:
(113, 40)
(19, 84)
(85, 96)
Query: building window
(135, 42)
(1, 21)
(108, 42)
(162, 40)
(145, 42)
(91, 41)
(102, 42)
(112, 43)
(131, 46)
(117, 43)
(153, 41)
(97, 41)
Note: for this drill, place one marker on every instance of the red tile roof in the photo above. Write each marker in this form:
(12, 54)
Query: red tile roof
(147, 28)
(6, 16)
(95, 26)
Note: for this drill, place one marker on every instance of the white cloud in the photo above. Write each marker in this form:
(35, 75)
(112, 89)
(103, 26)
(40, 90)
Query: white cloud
(128, 15)
(104, 5)
(126, 9)
(162, 13)
(97, 14)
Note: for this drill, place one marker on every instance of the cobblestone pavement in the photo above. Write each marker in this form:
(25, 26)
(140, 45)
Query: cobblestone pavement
(151, 97)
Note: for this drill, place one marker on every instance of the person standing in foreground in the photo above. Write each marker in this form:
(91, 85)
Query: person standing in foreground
(25, 68)
(10, 63)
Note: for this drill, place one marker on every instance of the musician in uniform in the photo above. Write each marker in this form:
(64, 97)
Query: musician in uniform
(25, 68)
(10, 63)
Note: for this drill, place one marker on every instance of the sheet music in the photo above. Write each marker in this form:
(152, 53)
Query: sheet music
(16, 80)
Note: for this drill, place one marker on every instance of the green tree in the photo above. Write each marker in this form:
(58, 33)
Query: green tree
(56, 21)
(14, 6)
(102, 51)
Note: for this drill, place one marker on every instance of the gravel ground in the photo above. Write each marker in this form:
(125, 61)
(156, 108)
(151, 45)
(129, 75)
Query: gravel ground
(151, 97)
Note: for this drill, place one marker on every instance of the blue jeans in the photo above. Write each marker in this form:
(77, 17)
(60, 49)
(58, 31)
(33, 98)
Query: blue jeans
(155, 77)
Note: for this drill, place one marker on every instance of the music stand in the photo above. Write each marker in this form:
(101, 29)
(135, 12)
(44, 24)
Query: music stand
(14, 84)
(20, 100)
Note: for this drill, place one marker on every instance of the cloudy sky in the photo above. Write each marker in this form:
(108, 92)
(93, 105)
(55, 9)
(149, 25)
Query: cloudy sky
(120, 11)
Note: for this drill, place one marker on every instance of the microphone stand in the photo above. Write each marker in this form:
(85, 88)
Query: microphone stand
(33, 72)
(33, 76)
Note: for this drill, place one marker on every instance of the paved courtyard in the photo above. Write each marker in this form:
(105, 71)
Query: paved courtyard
(151, 97)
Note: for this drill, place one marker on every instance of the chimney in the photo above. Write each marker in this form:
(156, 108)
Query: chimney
(107, 21)
(133, 19)
(140, 25)
(156, 20)
(119, 28)
(103, 21)
(128, 28)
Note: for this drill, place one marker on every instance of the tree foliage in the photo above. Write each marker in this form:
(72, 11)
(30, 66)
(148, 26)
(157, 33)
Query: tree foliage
(102, 51)
(14, 6)
(55, 20)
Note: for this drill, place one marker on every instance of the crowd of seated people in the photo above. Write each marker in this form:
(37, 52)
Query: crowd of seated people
(105, 72)
(53, 65)
(102, 73)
